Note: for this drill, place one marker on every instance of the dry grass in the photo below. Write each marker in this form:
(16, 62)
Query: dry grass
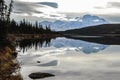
(8, 65)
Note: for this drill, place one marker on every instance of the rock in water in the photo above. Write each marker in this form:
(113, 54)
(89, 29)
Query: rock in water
(39, 75)
(38, 61)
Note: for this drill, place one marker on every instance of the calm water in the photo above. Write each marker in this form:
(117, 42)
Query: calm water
(69, 59)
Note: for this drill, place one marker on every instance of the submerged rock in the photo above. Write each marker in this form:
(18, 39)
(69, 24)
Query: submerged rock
(38, 61)
(39, 75)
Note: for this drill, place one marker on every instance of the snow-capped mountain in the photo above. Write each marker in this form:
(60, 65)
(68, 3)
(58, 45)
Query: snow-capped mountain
(77, 22)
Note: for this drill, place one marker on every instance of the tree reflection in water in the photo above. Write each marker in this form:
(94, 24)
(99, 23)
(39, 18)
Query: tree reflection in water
(9, 67)
(26, 44)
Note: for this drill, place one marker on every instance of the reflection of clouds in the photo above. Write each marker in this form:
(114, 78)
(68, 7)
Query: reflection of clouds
(114, 64)
(51, 63)
(101, 66)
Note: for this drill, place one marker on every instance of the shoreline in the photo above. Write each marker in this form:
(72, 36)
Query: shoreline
(19, 37)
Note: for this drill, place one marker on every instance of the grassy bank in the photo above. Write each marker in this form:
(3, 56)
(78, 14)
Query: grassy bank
(19, 37)
(8, 62)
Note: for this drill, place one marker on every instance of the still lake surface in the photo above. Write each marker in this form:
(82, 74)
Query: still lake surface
(69, 59)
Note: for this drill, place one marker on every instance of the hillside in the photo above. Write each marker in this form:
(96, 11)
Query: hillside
(99, 30)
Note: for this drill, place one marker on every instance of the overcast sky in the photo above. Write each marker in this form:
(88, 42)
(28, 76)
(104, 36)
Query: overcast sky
(65, 9)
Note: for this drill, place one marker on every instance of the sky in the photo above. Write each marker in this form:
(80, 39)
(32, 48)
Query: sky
(65, 9)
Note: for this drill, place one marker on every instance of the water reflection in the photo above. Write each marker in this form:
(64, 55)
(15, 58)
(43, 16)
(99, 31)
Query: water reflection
(97, 39)
(9, 67)
(78, 45)
(59, 57)
(26, 44)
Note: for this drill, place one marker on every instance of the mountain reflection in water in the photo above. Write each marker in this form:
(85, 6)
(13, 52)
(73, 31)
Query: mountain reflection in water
(62, 53)
(61, 42)
(45, 55)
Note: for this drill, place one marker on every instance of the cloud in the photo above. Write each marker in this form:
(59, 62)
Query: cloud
(113, 18)
(54, 16)
(54, 10)
(36, 9)
(109, 5)
(98, 7)
(32, 7)
(25, 7)
(51, 4)
(113, 4)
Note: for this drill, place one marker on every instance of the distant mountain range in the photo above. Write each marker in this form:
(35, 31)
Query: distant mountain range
(77, 22)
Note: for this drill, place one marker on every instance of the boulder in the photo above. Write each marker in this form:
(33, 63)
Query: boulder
(39, 75)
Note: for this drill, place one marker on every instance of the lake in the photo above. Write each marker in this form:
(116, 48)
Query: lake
(69, 59)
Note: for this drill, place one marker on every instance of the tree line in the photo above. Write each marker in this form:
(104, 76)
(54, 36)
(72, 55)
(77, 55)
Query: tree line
(8, 26)
(5, 11)
(25, 27)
